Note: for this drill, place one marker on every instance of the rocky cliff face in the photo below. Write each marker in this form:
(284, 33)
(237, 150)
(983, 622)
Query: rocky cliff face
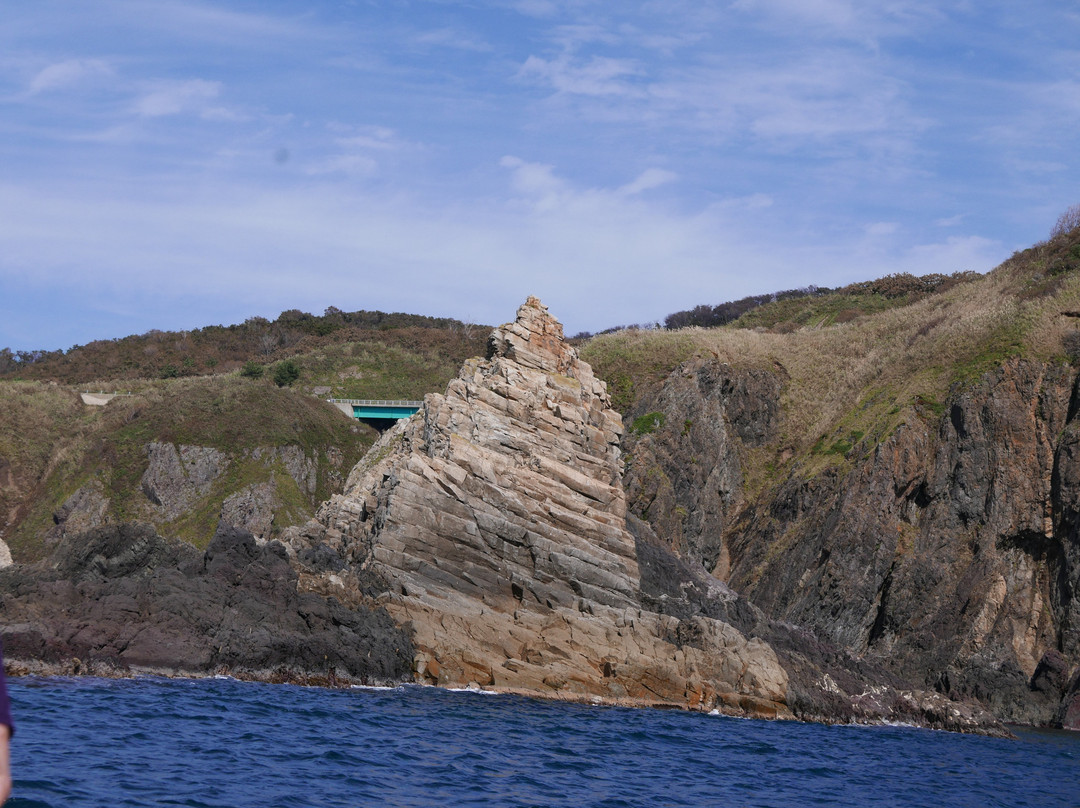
(494, 523)
(688, 481)
(488, 541)
(121, 599)
(179, 455)
(948, 552)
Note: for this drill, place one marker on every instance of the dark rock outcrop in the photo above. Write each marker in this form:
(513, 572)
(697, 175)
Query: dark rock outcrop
(124, 599)
(82, 511)
(686, 476)
(825, 683)
(177, 476)
(947, 554)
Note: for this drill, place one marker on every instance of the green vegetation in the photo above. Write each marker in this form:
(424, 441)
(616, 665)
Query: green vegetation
(67, 444)
(648, 423)
(251, 410)
(818, 306)
(634, 361)
(164, 354)
(841, 446)
(286, 372)
(373, 369)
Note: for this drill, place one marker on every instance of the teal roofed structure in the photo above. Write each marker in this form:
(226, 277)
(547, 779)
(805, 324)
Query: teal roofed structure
(372, 410)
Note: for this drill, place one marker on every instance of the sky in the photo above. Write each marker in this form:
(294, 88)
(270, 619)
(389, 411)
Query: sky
(176, 164)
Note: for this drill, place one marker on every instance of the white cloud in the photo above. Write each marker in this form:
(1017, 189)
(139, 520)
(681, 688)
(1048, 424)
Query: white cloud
(595, 76)
(572, 37)
(359, 150)
(532, 179)
(190, 20)
(648, 179)
(175, 97)
(356, 165)
(846, 19)
(223, 115)
(379, 138)
(453, 38)
(535, 8)
(832, 13)
(820, 97)
(875, 229)
(66, 74)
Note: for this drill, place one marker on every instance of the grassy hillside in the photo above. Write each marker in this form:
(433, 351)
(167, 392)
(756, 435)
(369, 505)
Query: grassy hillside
(54, 449)
(52, 445)
(851, 381)
(856, 364)
(222, 349)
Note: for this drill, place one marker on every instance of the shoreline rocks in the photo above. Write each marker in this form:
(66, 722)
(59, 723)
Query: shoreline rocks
(122, 598)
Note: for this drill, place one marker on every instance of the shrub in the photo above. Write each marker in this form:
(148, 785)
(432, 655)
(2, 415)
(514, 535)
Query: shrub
(650, 422)
(1071, 343)
(1067, 222)
(285, 373)
(170, 372)
(252, 370)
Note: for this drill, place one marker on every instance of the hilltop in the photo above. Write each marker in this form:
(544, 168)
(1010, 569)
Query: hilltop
(220, 349)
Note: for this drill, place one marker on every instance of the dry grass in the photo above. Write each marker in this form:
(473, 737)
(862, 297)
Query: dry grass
(867, 376)
(51, 444)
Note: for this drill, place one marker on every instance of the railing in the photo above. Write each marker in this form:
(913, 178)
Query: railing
(369, 402)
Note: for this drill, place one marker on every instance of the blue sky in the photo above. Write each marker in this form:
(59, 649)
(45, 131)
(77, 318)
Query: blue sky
(174, 164)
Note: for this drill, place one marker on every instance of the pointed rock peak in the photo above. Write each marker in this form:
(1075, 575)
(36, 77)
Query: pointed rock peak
(535, 339)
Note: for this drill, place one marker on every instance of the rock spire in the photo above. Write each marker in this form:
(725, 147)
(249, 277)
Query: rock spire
(494, 523)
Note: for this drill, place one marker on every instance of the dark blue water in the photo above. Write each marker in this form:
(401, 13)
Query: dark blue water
(94, 742)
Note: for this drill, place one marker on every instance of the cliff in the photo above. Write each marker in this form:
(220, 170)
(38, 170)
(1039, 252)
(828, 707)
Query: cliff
(946, 552)
(179, 455)
(122, 600)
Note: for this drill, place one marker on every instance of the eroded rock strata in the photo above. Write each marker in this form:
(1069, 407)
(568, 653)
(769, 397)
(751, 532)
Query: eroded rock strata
(486, 541)
(495, 521)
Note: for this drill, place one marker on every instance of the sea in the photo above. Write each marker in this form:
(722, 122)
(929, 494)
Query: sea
(220, 742)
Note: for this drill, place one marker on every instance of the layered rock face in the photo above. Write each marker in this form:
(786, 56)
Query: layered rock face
(948, 552)
(494, 523)
(121, 599)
